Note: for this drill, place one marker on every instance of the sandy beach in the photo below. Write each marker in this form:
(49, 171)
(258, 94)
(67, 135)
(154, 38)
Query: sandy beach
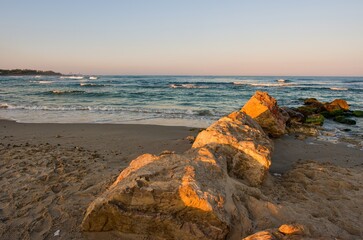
(50, 173)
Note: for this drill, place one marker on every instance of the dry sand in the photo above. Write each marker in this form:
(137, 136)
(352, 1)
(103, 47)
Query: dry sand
(49, 173)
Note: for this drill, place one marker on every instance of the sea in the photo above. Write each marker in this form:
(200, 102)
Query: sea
(193, 101)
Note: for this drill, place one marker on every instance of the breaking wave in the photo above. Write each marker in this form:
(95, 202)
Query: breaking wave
(91, 85)
(338, 89)
(71, 77)
(188, 85)
(278, 84)
(66, 92)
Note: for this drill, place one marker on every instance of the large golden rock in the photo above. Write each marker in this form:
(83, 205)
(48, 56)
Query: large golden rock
(264, 110)
(194, 195)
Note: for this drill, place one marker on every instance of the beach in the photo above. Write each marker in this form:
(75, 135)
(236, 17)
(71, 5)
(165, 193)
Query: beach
(50, 173)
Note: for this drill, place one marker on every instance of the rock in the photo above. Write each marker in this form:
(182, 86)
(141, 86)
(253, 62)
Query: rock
(191, 139)
(300, 128)
(294, 116)
(290, 229)
(282, 233)
(264, 110)
(313, 103)
(337, 104)
(307, 110)
(358, 113)
(332, 114)
(344, 120)
(56, 233)
(262, 235)
(310, 101)
(243, 142)
(190, 195)
(315, 119)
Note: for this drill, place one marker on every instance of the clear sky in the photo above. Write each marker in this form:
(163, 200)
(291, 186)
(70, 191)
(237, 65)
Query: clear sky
(187, 37)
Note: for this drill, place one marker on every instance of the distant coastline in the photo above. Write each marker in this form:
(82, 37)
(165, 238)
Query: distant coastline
(21, 72)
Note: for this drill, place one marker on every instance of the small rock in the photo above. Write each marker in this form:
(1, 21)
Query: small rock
(289, 229)
(57, 233)
(58, 136)
(56, 188)
(191, 139)
(166, 152)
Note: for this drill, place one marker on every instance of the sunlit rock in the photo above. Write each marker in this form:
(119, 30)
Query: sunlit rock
(194, 195)
(264, 109)
(242, 142)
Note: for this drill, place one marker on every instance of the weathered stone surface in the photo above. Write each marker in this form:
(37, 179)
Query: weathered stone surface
(284, 232)
(294, 116)
(164, 197)
(305, 129)
(337, 104)
(243, 143)
(291, 229)
(315, 119)
(264, 109)
(192, 195)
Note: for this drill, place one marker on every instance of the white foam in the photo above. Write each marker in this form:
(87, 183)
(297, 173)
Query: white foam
(338, 89)
(188, 85)
(72, 77)
(93, 78)
(279, 84)
(45, 82)
(271, 84)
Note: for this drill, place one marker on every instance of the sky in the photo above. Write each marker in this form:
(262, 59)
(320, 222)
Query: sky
(184, 37)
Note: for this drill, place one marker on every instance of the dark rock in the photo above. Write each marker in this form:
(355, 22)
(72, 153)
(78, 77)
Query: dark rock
(358, 113)
(332, 114)
(310, 101)
(295, 116)
(307, 110)
(344, 120)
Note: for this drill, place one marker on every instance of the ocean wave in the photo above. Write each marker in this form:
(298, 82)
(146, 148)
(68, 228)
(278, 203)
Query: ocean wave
(283, 80)
(93, 78)
(279, 84)
(188, 85)
(71, 77)
(338, 89)
(91, 85)
(66, 92)
(41, 82)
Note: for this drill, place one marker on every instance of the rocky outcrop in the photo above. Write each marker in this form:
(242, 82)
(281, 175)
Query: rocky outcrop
(337, 104)
(314, 111)
(264, 110)
(192, 195)
(284, 232)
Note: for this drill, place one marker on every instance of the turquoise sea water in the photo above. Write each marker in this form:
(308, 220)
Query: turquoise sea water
(194, 101)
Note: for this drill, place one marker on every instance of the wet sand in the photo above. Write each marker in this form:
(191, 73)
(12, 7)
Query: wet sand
(49, 173)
